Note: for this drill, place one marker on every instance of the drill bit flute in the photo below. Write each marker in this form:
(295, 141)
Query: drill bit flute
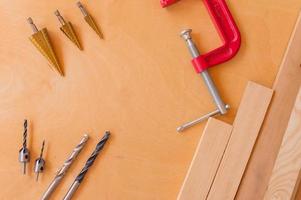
(60, 174)
(88, 164)
(24, 152)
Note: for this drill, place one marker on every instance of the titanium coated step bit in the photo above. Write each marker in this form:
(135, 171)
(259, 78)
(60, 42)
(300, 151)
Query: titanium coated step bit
(89, 19)
(88, 164)
(68, 30)
(40, 163)
(60, 174)
(41, 41)
(24, 152)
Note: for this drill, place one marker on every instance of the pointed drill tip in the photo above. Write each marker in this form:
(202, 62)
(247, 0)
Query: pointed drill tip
(107, 133)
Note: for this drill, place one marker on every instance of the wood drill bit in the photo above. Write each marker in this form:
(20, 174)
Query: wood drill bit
(60, 174)
(24, 152)
(88, 164)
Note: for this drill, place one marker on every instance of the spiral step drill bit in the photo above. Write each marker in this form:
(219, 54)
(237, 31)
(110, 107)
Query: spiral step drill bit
(24, 152)
(61, 172)
(40, 162)
(88, 164)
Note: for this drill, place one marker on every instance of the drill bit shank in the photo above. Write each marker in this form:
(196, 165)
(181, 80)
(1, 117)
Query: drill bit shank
(87, 166)
(60, 174)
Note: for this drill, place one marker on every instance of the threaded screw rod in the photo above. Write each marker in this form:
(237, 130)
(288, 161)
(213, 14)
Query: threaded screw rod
(60, 174)
(87, 166)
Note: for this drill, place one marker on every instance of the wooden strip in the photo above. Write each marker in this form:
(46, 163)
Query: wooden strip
(206, 160)
(248, 121)
(286, 87)
(285, 177)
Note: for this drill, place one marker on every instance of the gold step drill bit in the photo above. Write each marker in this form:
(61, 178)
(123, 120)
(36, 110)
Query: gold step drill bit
(89, 19)
(68, 30)
(42, 42)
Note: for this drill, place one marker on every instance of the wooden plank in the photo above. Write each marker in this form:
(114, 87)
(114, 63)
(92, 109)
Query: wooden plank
(206, 160)
(286, 87)
(248, 121)
(285, 177)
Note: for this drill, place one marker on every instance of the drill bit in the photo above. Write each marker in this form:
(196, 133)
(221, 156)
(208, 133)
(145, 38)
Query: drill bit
(88, 18)
(60, 174)
(40, 162)
(88, 164)
(24, 152)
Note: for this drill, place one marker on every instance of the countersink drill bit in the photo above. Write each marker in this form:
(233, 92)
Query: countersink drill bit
(40, 162)
(60, 174)
(88, 164)
(24, 152)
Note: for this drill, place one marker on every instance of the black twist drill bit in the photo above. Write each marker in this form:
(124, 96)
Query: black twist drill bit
(24, 152)
(87, 166)
(25, 134)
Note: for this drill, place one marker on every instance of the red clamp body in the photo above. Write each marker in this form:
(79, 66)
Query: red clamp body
(227, 29)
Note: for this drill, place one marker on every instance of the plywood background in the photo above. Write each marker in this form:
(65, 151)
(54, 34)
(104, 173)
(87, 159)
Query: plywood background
(138, 83)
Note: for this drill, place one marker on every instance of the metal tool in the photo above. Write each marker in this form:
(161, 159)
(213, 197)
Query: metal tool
(40, 163)
(24, 155)
(60, 174)
(232, 40)
(41, 41)
(68, 30)
(88, 164)
(89, 19)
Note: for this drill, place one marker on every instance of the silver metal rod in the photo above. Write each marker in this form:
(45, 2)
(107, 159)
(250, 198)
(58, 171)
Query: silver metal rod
(60, 174)
(72, 190)
(201, 119)
(214, 93)
(82, 8)
(33, 26)
(60, 17)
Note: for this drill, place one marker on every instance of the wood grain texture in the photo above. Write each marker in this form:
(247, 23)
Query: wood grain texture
(138, 83)
(286, 87)
(285, 176)
(206, 161)
(246, 126)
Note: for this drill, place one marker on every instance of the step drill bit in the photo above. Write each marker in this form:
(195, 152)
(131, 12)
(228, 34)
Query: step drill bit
(88, 164)
(40, 162)
(60, 174)
(24, 152)
(88, 18)
(68, 30)
(41, 40)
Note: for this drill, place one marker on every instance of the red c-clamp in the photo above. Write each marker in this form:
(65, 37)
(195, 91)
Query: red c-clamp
(230, 35)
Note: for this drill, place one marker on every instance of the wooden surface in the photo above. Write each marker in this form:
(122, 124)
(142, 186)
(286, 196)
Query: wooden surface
(286, 88)
(246, 126)
(138, 83)
(285, 176)
(206, 161)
